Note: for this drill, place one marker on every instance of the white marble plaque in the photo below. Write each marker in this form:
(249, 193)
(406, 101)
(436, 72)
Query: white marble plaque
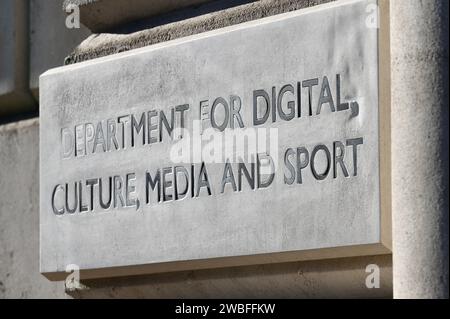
(261, 142)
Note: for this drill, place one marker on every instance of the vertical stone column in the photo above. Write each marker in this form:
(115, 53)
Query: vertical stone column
(420, 107)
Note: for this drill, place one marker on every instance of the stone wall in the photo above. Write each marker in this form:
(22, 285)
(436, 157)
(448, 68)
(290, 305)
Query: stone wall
(36, 40)
(19, 214)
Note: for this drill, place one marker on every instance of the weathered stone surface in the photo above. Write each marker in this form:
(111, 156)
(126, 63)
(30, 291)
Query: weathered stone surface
(50, 40)
(181, 24)
(282, 222)
(333, 278)
(19, 214)
(101, 15)
(420, 148)
(15, 96)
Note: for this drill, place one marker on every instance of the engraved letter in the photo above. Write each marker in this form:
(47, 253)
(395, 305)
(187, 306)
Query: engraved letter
(242, 169)
(309, 84)
(66, 142)
(220, 100)
(355, 142)
(340, 106)
(118, 183)
(153, 183)
(163, 120)
(235, 107)
(99, 138)
(323, 148)
(325, 96)
(264, 160)
(129, 190)
(151, 127)
(263, 94)
(290, 105)
(289, 180)
(203, 180)
(228, 177)
(184, 171)
(55, 210)
(68, 209)
(339, 158)
(137, 127)
(166, 184)
(100, 192)
(301, 164)
(91, 183)
(111, 134)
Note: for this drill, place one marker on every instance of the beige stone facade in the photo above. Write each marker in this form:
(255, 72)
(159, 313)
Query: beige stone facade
(36, 38)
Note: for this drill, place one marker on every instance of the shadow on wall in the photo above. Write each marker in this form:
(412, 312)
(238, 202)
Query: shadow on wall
(178, 15)
(333, 278)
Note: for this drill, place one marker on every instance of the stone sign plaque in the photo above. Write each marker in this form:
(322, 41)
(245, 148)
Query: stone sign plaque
(261, 142)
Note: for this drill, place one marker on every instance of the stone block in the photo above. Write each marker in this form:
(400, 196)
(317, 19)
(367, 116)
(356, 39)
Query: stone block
(15, 96)
(19, 214)
(110, 201)
(182, 23)
(50, 40)
(100, 15)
